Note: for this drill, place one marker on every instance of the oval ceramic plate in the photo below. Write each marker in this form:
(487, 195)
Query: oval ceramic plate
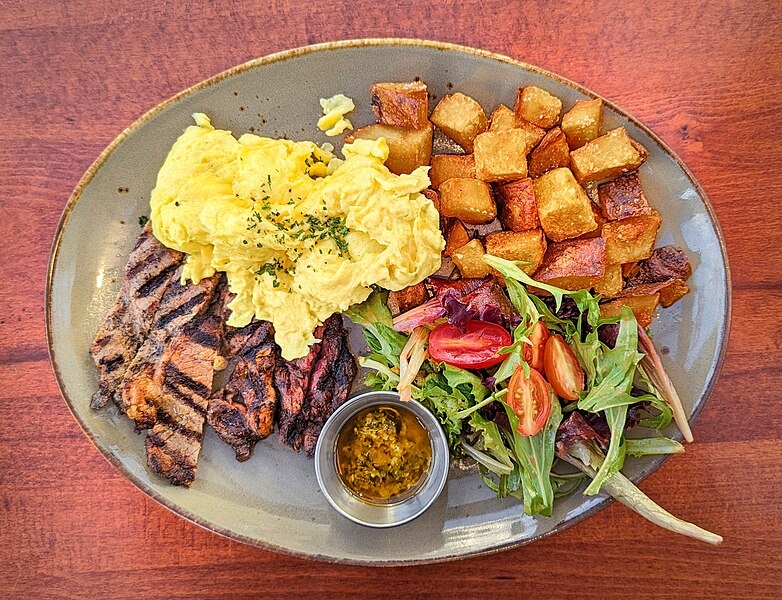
(273, 500)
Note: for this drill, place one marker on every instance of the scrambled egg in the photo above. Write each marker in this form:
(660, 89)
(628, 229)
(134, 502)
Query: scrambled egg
(333, 121)
(300, 233)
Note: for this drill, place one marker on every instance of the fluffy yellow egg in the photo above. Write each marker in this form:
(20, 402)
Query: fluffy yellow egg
(299, 233)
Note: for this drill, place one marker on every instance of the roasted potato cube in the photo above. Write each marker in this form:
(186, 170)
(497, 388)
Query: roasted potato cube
(529, 247)
(623, 197)
(456, 237)
(536, 134)
(670, 291)
(632, 239)
(563, 207)
(469, 259)
(574, 264)
(643, 308)
(519, 211)
(599, 219)
(408, 149)
(448, 166)
(537, 106)
(401, 104)
(551, 153)
(611, 284)
(407, 298)
(607, 156)
(629, 270)
(502, 119)
(501, 155)
(460, 118)
(582, 123)
(468, 200)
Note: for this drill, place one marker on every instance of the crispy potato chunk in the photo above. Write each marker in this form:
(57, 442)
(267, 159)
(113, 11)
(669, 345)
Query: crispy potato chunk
(456, 237)
(401, 104)
(469, 259)
(536, 134)
(563, 207)
(468, 200)
(502, 119)
(623, 197)
(529, 247)
(643, 308)
(448, 166)
(582, 123)
(629, 269)
(670, 291)
(537, 106)
(552, 153)
(632, 239)
(408, 149)
(574, 264)
(501, 155)
(407, 298)
(611, 284)
(519, 210)
(599, 219)
(460, 118)
(607, 156)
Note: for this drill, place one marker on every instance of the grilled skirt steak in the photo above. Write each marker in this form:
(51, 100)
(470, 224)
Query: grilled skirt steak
(244, 411)
(184, 375)
(313, 387)
(140, 386)
(148, 273)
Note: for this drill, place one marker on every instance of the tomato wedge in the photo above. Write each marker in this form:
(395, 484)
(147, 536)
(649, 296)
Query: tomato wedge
(530, 400)
(533, 354)
(475, 348)
(562, 369)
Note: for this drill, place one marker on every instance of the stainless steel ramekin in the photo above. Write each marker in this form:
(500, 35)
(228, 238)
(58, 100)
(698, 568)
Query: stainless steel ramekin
(408, 507)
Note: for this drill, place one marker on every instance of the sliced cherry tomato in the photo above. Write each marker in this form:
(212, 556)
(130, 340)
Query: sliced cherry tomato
(562, 369)
(533, 355)
(530, 400)
(475, 348)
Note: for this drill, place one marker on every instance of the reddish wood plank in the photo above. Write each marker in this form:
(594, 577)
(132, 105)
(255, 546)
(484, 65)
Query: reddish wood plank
(703, 75)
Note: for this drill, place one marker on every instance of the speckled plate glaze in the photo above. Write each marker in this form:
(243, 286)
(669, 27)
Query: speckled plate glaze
(273, 500)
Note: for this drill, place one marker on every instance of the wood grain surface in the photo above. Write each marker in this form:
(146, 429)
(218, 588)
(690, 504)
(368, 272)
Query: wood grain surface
(704, 75)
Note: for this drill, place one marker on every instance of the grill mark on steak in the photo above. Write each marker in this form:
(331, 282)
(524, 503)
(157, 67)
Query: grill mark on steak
(148, 273)
(179, 311)
(174, 442)
(244, 411)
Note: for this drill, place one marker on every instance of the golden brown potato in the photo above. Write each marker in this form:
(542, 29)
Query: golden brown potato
(501, 155)
(536, 134)
(607, 156)
(401, 104)
(599, 219)
(456, 237)
(408, 149)
(460, 118)
(502, 119)
(563, 207)
(519, 210)
(469, 259)
(623, 197)
(631, 239)
(574, 264)
(468, 200)
(407, 298)
(529, 247)
(448, 166)
(537, 106)
(611, 284)
(582, 123)
(643, 308)
(670, 291)
(552, 153)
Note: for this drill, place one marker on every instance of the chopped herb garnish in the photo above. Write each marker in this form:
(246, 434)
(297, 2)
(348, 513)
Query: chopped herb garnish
(142, 220)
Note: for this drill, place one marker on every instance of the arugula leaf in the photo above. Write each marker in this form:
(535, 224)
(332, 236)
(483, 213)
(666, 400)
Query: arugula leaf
(510, 270)
(373, 315)
(492, 441)
(535, 455)
(655, 445)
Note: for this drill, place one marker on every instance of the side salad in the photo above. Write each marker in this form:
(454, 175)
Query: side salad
(530, 385)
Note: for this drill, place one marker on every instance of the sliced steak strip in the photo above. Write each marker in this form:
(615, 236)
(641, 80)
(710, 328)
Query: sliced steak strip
(313, 387)
(148, 273)
(243, 412)
(140, 386)
(184, 375)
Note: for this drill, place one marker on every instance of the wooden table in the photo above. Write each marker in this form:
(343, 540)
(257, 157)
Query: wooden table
(704, 75)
